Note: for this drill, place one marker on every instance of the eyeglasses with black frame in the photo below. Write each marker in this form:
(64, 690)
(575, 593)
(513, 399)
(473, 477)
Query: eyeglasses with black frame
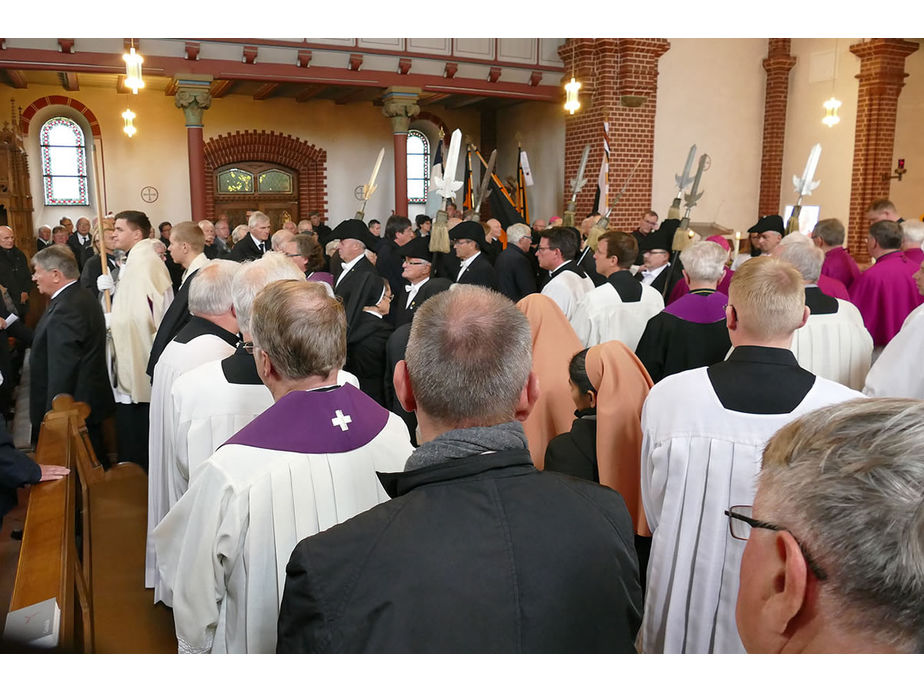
(741, 520)
(246, 346)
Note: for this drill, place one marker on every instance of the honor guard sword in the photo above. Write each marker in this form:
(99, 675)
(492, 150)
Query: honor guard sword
(691, 198)
(604, 219)
(485, 182)
(577, 183)
(804, 186)
(683, 180)
(369, 188)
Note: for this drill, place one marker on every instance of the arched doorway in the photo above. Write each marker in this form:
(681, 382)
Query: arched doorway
(258, 153)
(250, 185)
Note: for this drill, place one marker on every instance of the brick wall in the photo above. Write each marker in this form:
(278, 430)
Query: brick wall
(614, 72)
(57, 100)
(778, 64)
(882, 76)
(250, 145)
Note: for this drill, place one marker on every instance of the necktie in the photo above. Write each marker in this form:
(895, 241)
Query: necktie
(262, 247)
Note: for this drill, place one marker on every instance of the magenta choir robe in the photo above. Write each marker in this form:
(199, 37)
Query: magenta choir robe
(833, 288)
(916, 255)
(885, 294)
(681, 288)
(841, 266)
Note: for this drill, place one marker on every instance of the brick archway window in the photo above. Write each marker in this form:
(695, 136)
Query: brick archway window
(418, 167)
(64, 163)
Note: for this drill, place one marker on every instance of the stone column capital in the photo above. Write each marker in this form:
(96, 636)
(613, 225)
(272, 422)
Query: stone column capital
(400, 106)
(192, 95)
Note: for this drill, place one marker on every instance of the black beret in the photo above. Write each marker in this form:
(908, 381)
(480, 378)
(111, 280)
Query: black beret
(771, 222)
(470, 230)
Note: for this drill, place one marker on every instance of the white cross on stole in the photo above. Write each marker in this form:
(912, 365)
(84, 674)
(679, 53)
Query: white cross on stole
(341, 420)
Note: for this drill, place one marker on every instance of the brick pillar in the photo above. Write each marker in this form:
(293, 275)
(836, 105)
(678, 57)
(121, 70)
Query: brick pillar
(400, 106)
(778, 63)
(882, 76)
(620, 84)
(193, 97)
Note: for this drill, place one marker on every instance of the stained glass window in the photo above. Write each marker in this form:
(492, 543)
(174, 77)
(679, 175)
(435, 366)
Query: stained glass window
(274, 180)
(418, 167)
(64, 163)
(235, 180)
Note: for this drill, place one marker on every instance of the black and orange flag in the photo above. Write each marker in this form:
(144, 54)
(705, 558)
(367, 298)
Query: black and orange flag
(468, 200)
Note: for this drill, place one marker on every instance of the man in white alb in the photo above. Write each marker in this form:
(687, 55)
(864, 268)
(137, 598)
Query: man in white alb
(703, 434)
(834, 343)
(210, 334)
(304, 465)
(568, 283)
(622, 306)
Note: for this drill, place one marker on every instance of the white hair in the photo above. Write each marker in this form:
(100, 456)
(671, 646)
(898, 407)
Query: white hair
(210, 289)
(253, 276)
(704, 261)
(806, 258)
(518, 231)
(280, 238)
(239, 232)
(256, 218)
(913, 232)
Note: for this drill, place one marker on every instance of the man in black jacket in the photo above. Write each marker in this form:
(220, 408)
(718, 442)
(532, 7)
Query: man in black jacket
(477, 551)
(388, 264)
(69, 346)
(14, 271)
(515, 276)
(468, 242)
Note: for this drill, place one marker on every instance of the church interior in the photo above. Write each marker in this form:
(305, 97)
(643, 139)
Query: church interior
(289, 126)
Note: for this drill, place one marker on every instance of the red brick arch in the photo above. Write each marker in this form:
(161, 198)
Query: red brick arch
(57, 100)
(308, 160)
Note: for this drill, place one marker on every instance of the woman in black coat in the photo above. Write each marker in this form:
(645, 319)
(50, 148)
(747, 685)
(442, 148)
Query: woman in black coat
(575, 452)
(367, 334)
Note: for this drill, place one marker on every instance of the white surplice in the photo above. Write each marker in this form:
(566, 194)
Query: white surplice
(601, 316)
(567, 289)
(209, 410)
(699, 458)
(222, 549)
(836, 346)
(899, 370)
(176, 359)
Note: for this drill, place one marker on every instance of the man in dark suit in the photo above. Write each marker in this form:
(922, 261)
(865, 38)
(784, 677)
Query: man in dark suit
(80, 241)
(398, 231)
(255, 243)
(186, 248)
(515, 276)
(14, 271)
(468, 241)
(17, 469)
(69, 346)
(420, 286)
(354, 237)
(42, 238)
(657, 271)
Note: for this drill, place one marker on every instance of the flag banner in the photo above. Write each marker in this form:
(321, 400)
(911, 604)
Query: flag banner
(601, 201)
(502, 206)
(522, 203)
(527, 174)
(436, 171)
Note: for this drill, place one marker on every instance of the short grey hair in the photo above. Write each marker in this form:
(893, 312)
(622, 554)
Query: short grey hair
(280, 238)
(255, 275)
(301, 328)
(39, 229)
(830, 231)
(913, 231)
(848, 480)
(57, 257)
(239, 232)
(452, 357)
(806, 258)
(256, 218)
(517, 231)
(210, 289)
(704, 261)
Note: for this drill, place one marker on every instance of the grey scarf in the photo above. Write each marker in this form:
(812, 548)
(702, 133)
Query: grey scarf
(466, 442)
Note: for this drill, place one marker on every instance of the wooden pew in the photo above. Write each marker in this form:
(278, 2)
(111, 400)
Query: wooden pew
(117, 614)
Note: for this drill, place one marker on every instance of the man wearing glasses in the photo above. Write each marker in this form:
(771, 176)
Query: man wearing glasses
(703, 434)
(417, 263)
(834, 560)
(468, 242)
(568, 283)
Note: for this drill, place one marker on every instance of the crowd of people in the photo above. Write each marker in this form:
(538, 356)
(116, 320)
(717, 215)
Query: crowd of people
(551, 438)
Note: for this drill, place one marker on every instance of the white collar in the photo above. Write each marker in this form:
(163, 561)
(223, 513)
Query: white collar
(74, 281)
(352, 263)
(197, 263)
(466, 263)
(256, 242)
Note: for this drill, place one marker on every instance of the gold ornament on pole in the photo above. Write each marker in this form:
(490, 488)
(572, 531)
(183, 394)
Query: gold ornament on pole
(133, 62)
(128, 117)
